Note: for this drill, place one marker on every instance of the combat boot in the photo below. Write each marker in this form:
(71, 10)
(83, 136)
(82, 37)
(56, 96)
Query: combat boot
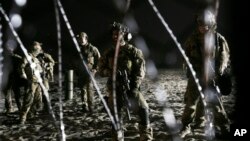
(85, 108)
(185, 131)
(117, 135)
(91, 109)
(22, 120)
(9, 110)
(146, 133)
(23, 116)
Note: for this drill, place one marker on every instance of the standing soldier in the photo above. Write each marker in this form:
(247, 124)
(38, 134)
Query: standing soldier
(33, 96)
(131, 61)
(91, 56)
(195, 50)
(14, 82)
(47, 63)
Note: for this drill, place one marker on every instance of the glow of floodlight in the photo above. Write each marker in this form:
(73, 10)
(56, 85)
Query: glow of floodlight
(16, 20)
(21, 2)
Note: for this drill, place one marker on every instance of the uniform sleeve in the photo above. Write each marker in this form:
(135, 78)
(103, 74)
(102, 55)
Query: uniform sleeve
(191, 43)
(224, 55)
(139, 70)
(18, 57)
(103, 65)
(97, 56)
(21, 69)
(187, 48)
(49, 58)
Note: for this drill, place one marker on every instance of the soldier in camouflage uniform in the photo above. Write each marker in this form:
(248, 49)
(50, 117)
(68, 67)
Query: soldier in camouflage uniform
(33, 96)
(132, 61)
(91, 56)
(47, 63)
(14, 83)
(194, 47)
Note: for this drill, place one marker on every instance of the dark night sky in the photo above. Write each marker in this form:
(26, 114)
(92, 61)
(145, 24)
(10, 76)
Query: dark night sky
(95, 17)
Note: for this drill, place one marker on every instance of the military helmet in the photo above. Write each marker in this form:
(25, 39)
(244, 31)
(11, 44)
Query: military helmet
(36, 46)
(206, 18)
(37, 43)
(82, 34)
(120, 27)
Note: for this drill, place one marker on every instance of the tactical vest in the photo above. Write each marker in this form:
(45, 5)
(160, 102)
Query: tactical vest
(88, 53)
(47, 64)
(195, 51)
(30, 72)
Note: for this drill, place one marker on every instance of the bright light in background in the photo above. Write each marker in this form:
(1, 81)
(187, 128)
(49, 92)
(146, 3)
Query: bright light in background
(169, 117)
(151, 69)
(161, 95)
(21, 2)
(11, 44)
(0, 33)
(16, 20)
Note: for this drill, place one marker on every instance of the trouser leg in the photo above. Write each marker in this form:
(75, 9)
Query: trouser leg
(8, 101)
(145, 129)
(29, 101)
(90, 97)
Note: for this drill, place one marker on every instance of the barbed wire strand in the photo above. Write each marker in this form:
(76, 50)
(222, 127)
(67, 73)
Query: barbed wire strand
(84, 63)
(59, 43)
(1, 59)
(117, 48)
(185, 58)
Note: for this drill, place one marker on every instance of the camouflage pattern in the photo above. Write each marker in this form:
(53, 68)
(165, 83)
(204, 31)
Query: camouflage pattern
(8, 99)
(221, 53)
(194, 109)
(130, 59)
(91, 56)
(47, 64)
(33, 97)
(14, 84)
